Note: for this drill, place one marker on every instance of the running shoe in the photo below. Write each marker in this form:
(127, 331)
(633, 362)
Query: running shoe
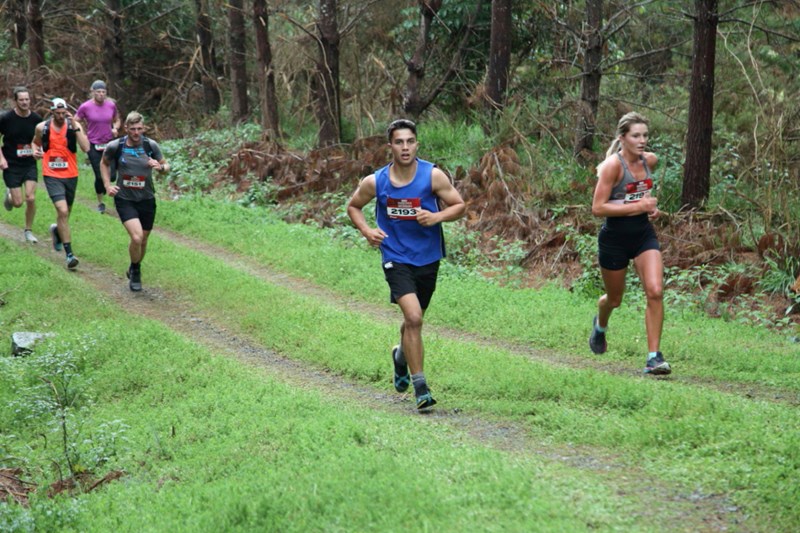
(402, 379)
(136, 279)
(56, 238)
(30, 237)
(7, 200)
(101, 208)
(72, 262)
(657, 366)
(425, 400)
(597, 340)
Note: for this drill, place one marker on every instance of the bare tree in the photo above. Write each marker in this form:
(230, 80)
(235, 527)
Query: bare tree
(499, 54)
(239, 107)
(113, 57)
(591, 75)
(35, 34)
(19, 23)
(266, 75)
(696, 183)
(326, 80)
(205, 41)
(414, 101)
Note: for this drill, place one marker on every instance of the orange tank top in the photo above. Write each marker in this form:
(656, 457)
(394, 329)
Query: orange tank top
(58, 160)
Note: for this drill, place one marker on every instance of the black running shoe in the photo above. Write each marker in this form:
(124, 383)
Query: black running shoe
(425, 400)
(136, 279)
(597, 340)
(657, 366)
(72, 262)
(402, 378)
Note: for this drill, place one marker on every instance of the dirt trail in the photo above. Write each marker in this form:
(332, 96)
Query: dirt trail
(690, 511)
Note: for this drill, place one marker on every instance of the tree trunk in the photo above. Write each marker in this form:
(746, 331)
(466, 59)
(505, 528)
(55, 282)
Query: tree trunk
(20, 28)
(590, 78)
(36, 34)
(112, 54)
(499, 54)
(239, 107)
(697, 169)
(327, 75)
(412, 99)
(205, 41)
(266, 76)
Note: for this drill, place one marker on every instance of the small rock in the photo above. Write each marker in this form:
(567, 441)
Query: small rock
(22, 341)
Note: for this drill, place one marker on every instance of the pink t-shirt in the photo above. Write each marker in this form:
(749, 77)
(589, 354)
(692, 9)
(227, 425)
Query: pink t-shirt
(99, 118)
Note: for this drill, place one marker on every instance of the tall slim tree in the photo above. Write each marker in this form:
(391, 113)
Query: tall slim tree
(113, 57)
(593, 41)
(499, 54)
(205, 40)
(19, 22)
(35, 34)
(697, 169)
(412, 98)
(266, 74)
(239, 107)
(326, 81)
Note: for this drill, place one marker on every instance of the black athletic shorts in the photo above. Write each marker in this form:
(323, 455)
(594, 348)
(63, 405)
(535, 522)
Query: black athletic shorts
(144, 210)
(406, 279)
(61, 189)
(617, 247)
(15, 176)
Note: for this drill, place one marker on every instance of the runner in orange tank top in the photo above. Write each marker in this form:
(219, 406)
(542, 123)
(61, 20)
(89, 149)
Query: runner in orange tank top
(56, 143)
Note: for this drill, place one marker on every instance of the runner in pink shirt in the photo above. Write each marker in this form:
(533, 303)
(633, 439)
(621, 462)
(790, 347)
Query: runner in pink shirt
(100, 118)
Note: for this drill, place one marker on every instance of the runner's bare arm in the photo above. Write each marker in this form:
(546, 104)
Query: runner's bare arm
(105, 173)
(364, 195)
(444, 189)
(36, 143)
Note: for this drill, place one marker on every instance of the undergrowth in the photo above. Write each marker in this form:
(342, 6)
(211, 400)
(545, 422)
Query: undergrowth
(554, 180)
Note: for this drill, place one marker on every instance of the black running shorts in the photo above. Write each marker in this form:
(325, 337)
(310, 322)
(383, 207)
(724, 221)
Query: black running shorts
(616, 248)
(406, 279)
(15, 176)
(144, 210)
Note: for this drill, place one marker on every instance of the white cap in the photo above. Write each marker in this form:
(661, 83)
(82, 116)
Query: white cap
(58, 103)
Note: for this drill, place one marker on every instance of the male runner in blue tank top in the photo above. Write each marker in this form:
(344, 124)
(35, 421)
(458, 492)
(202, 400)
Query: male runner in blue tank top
(407, 193)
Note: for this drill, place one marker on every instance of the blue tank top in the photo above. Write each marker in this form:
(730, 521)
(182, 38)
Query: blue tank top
(407, 241)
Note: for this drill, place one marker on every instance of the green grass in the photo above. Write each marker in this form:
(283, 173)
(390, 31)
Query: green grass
(215, 445)
(680, 431)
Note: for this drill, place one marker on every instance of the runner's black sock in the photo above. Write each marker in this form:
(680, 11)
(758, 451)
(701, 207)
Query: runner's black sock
(420, 385)
(135, 267)
(68, 248)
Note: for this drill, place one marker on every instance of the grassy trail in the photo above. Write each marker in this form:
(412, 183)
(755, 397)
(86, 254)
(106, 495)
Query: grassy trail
(536, 405)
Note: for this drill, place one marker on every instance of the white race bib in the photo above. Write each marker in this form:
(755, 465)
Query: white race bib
(403, 208)
(57, 164)
(99, 147)
(134, 182)
(637, 190)
(24, 150)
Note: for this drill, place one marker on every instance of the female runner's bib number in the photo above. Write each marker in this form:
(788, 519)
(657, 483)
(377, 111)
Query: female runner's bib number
(403, 208)
(637, 190)
(134, 182)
